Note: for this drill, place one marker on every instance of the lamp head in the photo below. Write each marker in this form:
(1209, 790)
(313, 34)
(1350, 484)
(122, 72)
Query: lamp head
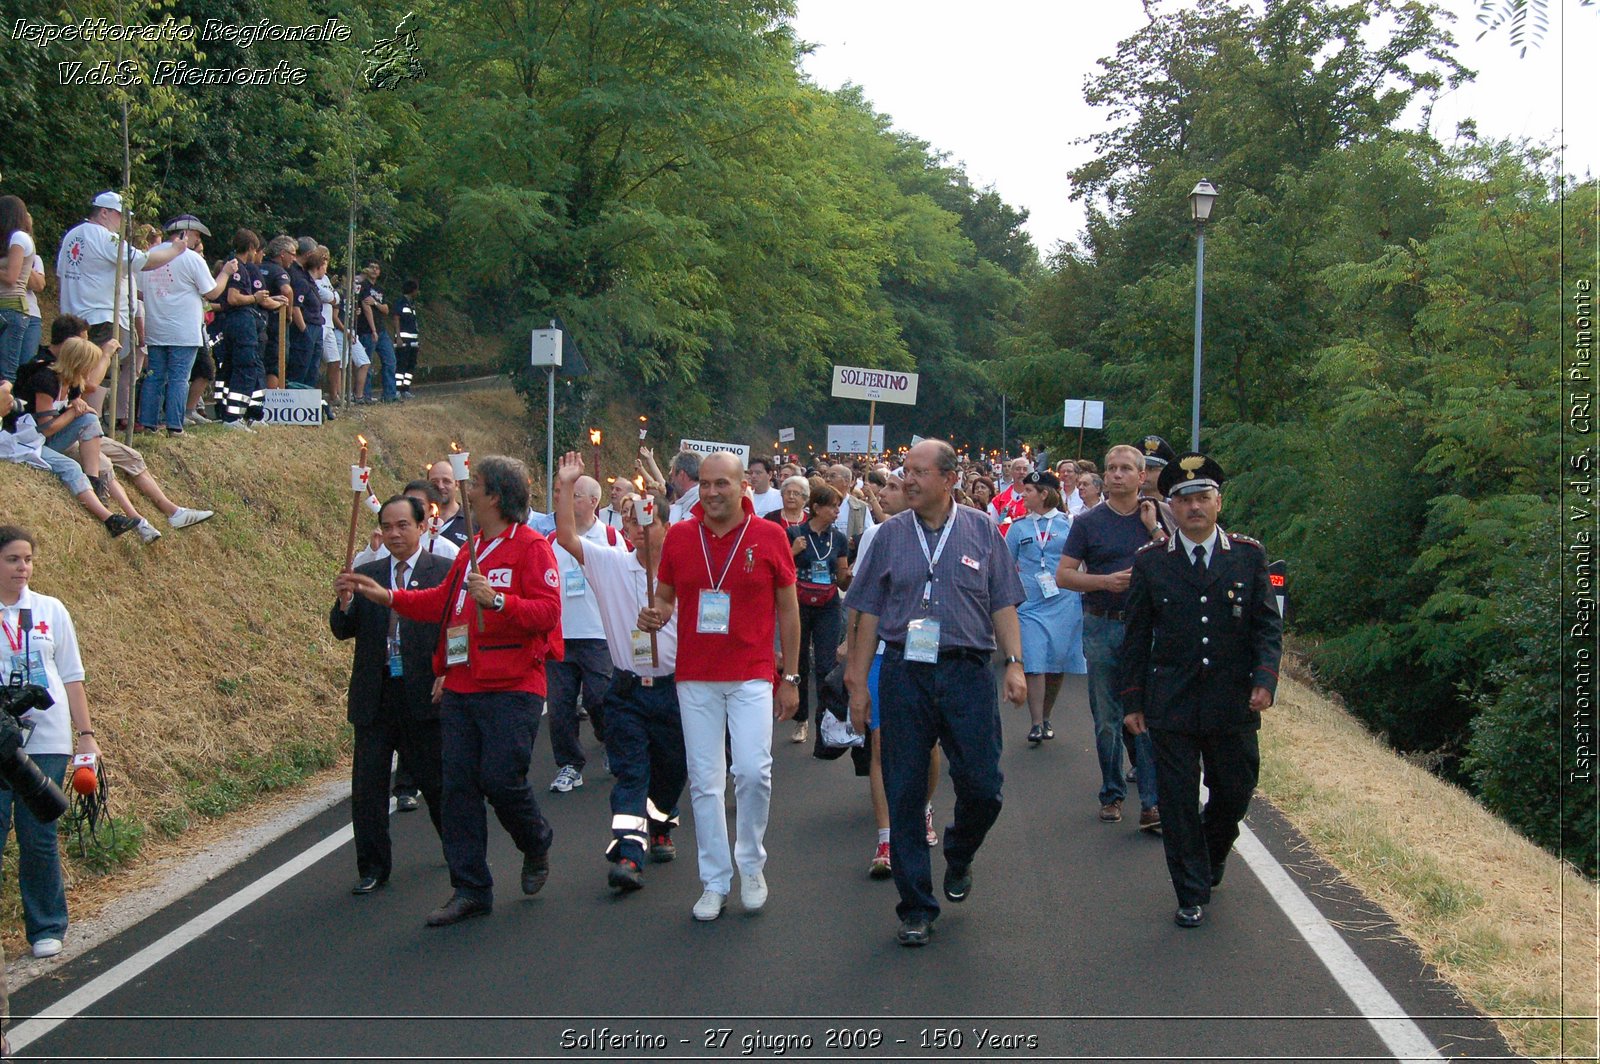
(1201, 200)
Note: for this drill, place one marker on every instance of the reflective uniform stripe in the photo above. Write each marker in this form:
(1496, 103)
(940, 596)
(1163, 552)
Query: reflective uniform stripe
(658, 817)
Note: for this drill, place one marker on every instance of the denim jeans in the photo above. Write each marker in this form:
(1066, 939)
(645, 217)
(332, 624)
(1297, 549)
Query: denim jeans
(44, 890)
(66, 470)
(952, 703)
(383, 349)
(166, 386)
(13, 337)
(1102, 645)
(586, 667)
(82, 427)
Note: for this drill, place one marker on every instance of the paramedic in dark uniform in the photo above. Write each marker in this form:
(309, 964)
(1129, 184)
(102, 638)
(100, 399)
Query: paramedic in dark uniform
(405, 339)
(243, 302)
(1199, 666)
(940, 589)
(274, 271)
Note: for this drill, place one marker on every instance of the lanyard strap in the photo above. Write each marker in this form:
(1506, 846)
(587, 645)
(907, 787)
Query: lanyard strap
(716, 580)
(938, 552)
(483, 555)
(1043, 538)
(817, 554)
(13, 636)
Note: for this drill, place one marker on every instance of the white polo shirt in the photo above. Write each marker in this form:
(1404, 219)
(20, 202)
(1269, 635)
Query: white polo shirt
(580, 611)
(86, 269)
(618, 579)
(51, 644)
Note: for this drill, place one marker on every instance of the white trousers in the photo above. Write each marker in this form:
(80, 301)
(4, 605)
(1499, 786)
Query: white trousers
(741, 710)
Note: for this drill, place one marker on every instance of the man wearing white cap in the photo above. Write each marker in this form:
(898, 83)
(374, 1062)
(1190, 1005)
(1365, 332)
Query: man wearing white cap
(87, 266)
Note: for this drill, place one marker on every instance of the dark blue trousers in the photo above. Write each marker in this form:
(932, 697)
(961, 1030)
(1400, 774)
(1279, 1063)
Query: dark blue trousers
(953, 703)
(1197, 841)
(487, 741)
(644, 741)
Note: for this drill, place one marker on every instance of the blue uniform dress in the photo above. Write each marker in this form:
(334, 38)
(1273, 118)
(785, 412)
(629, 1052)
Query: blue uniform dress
(1052, 627)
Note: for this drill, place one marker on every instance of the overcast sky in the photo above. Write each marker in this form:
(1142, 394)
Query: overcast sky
(999, 84)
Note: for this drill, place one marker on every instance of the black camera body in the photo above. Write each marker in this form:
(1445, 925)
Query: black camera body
(38, 792)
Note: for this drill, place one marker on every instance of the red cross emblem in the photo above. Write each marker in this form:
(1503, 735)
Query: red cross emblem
(366, 475)
(42, 628)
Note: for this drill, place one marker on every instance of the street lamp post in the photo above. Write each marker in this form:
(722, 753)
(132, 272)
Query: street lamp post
(1200, 202)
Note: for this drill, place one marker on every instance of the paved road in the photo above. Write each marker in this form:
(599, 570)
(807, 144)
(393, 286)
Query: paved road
(1066, 950)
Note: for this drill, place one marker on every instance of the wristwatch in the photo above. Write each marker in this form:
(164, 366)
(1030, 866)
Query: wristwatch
(1013, 660)
(792, 679)
(499, 601)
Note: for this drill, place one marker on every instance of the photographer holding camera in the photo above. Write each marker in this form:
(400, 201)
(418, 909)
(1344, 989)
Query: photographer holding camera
(40, 647)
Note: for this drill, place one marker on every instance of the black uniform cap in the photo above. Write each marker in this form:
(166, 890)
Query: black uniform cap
(1041, 479)
(1158, 453)
(1190, 473)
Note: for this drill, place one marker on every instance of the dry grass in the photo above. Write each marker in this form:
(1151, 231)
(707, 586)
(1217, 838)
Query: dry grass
(212, 677)
(1499, 917)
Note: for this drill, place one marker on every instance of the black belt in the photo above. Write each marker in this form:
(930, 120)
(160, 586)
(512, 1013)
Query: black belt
(626, 681)
(948, 653)
(1110, 615)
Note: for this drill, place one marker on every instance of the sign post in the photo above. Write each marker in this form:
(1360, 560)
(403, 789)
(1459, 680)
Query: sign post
(547, 353)
(855, 382)
(1083, 414)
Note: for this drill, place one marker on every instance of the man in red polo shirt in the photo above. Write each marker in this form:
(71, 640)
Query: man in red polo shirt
(500, 624)
(729, 570)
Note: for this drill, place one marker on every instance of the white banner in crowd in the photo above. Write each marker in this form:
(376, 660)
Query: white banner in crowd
(712, 447)
(1084, 414)
(291, 406)
(852, 439)
(786, 435)
(880, 385)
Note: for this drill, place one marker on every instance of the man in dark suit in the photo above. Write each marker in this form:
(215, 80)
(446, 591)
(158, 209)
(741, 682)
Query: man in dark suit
(1199, 666)
(393, 692)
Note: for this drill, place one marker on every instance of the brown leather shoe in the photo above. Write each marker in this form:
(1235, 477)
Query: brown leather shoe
(1150, 819)
(1111, 813)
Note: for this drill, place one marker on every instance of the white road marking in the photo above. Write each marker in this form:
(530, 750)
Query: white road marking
(1399, 1032)
(80, 999)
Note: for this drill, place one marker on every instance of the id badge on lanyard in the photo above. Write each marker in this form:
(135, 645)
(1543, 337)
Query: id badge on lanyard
(922, 633)
(396, 668)
(574, 584)
(716, 609)
(716, 605)
(455, 645)
(1046, 579)
(641, 647)
(820, 572)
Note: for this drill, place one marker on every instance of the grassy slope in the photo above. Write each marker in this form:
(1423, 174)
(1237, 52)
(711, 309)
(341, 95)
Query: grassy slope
(213, 681)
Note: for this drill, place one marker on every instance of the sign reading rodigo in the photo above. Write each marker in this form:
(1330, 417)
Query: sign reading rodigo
(877, 385)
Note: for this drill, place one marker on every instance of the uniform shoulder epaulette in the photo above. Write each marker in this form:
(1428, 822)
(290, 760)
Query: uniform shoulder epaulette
(1152, 543)
(1239, 538)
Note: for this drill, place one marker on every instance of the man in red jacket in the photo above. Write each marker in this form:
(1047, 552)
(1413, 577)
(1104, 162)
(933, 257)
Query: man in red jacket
(499, 625)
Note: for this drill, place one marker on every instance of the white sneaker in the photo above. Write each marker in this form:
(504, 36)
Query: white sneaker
(752, 891)
(567, 779)
(709, 907)
(197, 418)
(147, 532)
(47, 947)
(237, 426)
(183, 517)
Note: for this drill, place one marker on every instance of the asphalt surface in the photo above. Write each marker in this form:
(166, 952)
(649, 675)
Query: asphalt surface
(1066, 949)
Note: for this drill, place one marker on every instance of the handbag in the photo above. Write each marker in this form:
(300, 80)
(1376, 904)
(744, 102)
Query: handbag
(815, 594)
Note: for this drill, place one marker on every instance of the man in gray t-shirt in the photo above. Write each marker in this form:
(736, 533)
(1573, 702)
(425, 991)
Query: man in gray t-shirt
(940, 589)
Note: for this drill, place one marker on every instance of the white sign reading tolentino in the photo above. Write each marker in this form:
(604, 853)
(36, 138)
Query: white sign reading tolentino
(712, 447)
(291, 406)
(852, 439)
(881, 385)
(786, 435)
(1084, 414)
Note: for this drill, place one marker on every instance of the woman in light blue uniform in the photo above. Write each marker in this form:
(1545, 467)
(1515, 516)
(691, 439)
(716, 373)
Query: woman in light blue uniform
(1052, 618)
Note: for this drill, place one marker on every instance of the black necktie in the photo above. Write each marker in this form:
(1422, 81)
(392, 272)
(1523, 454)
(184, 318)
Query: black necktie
(1200, 559)
(394, 618)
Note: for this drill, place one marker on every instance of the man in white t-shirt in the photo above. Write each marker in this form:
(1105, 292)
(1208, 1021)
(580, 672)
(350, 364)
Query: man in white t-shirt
(644, 731)
(175, 298)
(765, 497)
(86, 267)
(586, 664)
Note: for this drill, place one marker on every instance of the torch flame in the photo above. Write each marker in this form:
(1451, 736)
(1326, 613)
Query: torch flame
(455, 448)
(639, 482)
(594, 437)
(362, 440)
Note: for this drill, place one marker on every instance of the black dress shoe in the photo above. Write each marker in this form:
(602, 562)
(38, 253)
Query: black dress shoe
(1189, 916)
(406, 803)
(535, 870)
(914, 931)
(457, 909)
(369, 884)
(625, 876)
(957, 882)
